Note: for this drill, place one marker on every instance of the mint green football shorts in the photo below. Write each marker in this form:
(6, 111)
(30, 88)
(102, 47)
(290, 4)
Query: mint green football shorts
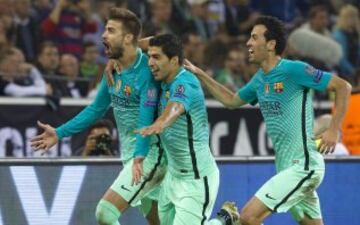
(294, 190)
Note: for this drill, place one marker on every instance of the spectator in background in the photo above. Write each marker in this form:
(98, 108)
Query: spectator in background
(347, 34)
(239, 17)
(313, 42)
(318, 21)
(193, 48)
(3, 38)
(100, 18)
(6, 16)
(66, 25)
(42, 8)
(99, 141)
(70, 85)
(160, 21)
(48, 59)
(27, 30)
(88, 65)
(231, 76)
(200, 18)
(18, 78)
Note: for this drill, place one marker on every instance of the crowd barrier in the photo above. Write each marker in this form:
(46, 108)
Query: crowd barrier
(66, 191)
(239, 132)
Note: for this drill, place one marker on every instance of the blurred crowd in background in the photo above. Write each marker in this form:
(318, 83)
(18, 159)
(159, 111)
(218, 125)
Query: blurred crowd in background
(54, 48)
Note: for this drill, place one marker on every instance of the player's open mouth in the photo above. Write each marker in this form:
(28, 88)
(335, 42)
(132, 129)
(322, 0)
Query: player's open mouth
(107, 46)
(251, 52)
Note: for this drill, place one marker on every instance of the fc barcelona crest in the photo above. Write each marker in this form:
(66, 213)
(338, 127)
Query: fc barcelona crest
(278, 87)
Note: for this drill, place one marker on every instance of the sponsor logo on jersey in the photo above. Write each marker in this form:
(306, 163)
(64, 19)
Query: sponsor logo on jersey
(167, 95)
(278, 87)
(267, 88)
(127, 90)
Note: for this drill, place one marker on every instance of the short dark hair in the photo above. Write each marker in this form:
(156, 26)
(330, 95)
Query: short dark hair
(275, 30)
(170, 45)
(46, 44)
(102, 123)
(129, 20)
(317, 9)
(6, 53)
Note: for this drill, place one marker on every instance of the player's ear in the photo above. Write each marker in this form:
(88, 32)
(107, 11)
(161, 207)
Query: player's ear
(270, 45)
(129, 38)
(174, 61)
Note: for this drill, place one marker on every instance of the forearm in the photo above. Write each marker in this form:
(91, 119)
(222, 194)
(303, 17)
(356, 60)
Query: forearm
(219, 91)
(342, 94)
(55, 14)
(171, 113)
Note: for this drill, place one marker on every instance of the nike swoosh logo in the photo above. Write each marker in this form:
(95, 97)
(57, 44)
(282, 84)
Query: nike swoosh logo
(268, 196)
(123, 187)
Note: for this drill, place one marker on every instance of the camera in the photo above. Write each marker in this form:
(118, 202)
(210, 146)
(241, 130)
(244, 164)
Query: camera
(103, 145)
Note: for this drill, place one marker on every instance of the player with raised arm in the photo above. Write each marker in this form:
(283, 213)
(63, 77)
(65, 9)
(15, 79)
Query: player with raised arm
(134, 98)
(282, 89)
(191, 184)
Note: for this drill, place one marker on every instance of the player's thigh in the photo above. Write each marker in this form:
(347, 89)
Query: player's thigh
(287, 188)
(195, 199)
(132, 194)
(166, 208)
(254, 210)
(308, 211)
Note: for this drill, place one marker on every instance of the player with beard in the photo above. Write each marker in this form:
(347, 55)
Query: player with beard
(281, 87)
(134, 98)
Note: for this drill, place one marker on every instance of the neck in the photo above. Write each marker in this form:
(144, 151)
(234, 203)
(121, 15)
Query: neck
(172, 75)
(270, 63)
(128, 58)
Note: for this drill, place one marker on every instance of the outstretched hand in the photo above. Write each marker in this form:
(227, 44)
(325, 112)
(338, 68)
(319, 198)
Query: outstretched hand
(150, 130)
(45, 140)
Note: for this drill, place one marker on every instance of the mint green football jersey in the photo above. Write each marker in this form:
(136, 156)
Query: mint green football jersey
(286, 105)
(134, 99)
(186, 141)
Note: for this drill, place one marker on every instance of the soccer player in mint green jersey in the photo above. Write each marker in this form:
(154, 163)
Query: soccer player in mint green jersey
(134, 98)
(191, 183)
(281, 87)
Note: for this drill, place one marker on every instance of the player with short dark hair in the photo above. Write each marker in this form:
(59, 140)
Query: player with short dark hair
(282, 89)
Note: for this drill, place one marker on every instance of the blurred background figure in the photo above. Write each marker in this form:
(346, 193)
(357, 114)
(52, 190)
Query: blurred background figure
(322, 123)
(27, 30)
(347, 34)
(71, 85)
(66, 25)
(232, 75)
(19, 78)
(99, 141)
(99, 17)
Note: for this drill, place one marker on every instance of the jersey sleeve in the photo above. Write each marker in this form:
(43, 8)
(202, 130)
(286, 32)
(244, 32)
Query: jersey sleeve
(182, 92)
(308, 76)
(89, 115)
(149, 95)
(248, 92)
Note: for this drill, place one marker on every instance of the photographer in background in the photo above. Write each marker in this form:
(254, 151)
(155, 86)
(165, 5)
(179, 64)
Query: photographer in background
(99, 141)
